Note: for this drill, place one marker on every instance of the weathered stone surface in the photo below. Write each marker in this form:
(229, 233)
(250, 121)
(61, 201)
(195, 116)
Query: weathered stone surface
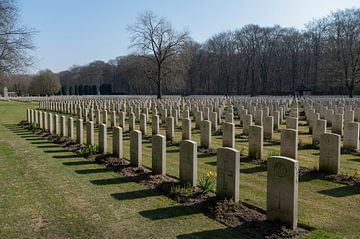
(56, 124)
(329, 160)
(228, 135)
(136, 148)
(159, 154)
(289, 143)
(71, 128)
(118, 142)
(45, 121)
(205, 134)
(348, 116)
(258, 117)
(102, 138)
(170, 131)
(319, 128)
(351, 135)
(292, 123)
(186, 129)
(256, 141)
(98, 116)
(338, 124)
(282, 190)
(50, 123)
(79, 131)
(229, 117)
(213, 119)
(143, 127)
(62, 126)
(268, 127)
(131, 122)
(90, 133)
(122, 116)
(247, 122)
(188, 162)
(155, 124)
(113, 118)
(228, 173)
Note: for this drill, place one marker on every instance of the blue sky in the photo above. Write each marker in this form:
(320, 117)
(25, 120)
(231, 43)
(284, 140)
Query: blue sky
(76, 32)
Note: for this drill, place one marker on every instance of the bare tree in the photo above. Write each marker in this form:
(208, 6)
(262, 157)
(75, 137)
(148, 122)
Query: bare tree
(45, 83)
(15, 39)
(157, 41)
(343, 42)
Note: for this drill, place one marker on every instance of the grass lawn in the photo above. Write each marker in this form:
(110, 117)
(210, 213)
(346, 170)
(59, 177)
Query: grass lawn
(46, 192)
(49, 192)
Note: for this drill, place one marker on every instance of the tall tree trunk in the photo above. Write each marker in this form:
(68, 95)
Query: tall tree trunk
(159, 87)
(159, 91)
(98, 89)
(253, 82)
(351, 88)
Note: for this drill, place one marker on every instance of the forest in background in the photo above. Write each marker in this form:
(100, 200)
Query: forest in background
(254, 60)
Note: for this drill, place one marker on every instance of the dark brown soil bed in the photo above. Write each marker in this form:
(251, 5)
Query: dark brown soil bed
(306, 174)
(208, 151)
(172, 143)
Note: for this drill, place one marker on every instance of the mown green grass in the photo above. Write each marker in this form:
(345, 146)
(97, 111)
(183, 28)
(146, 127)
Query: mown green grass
(330, 207)
(46, 192)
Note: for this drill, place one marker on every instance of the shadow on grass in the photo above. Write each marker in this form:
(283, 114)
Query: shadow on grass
(257, 169)
(343, 191)
(226, 233)
(35, 139)
(173, 151)
(92, 170)
(355, 160)
(135, 194)
(307, 178)
(206, 155)
(75, 163)
(272, 143)
(169, 212)
(111, 181)
(213, 163)
(66, 156)
(23, 134)
(45, 142)
(48, 146)
(56, 151)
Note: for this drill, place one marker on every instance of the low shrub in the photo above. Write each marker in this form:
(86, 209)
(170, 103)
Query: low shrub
(207, 182)
(181, 189)
(88, 150)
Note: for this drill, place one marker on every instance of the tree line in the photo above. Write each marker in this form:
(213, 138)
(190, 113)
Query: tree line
(324, 56)
(254, 60)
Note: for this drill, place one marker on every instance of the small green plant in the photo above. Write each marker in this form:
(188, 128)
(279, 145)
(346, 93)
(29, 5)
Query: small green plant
(34, 126)
(207, 182)
(273, 153)
(181, 189)
(88, 150)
